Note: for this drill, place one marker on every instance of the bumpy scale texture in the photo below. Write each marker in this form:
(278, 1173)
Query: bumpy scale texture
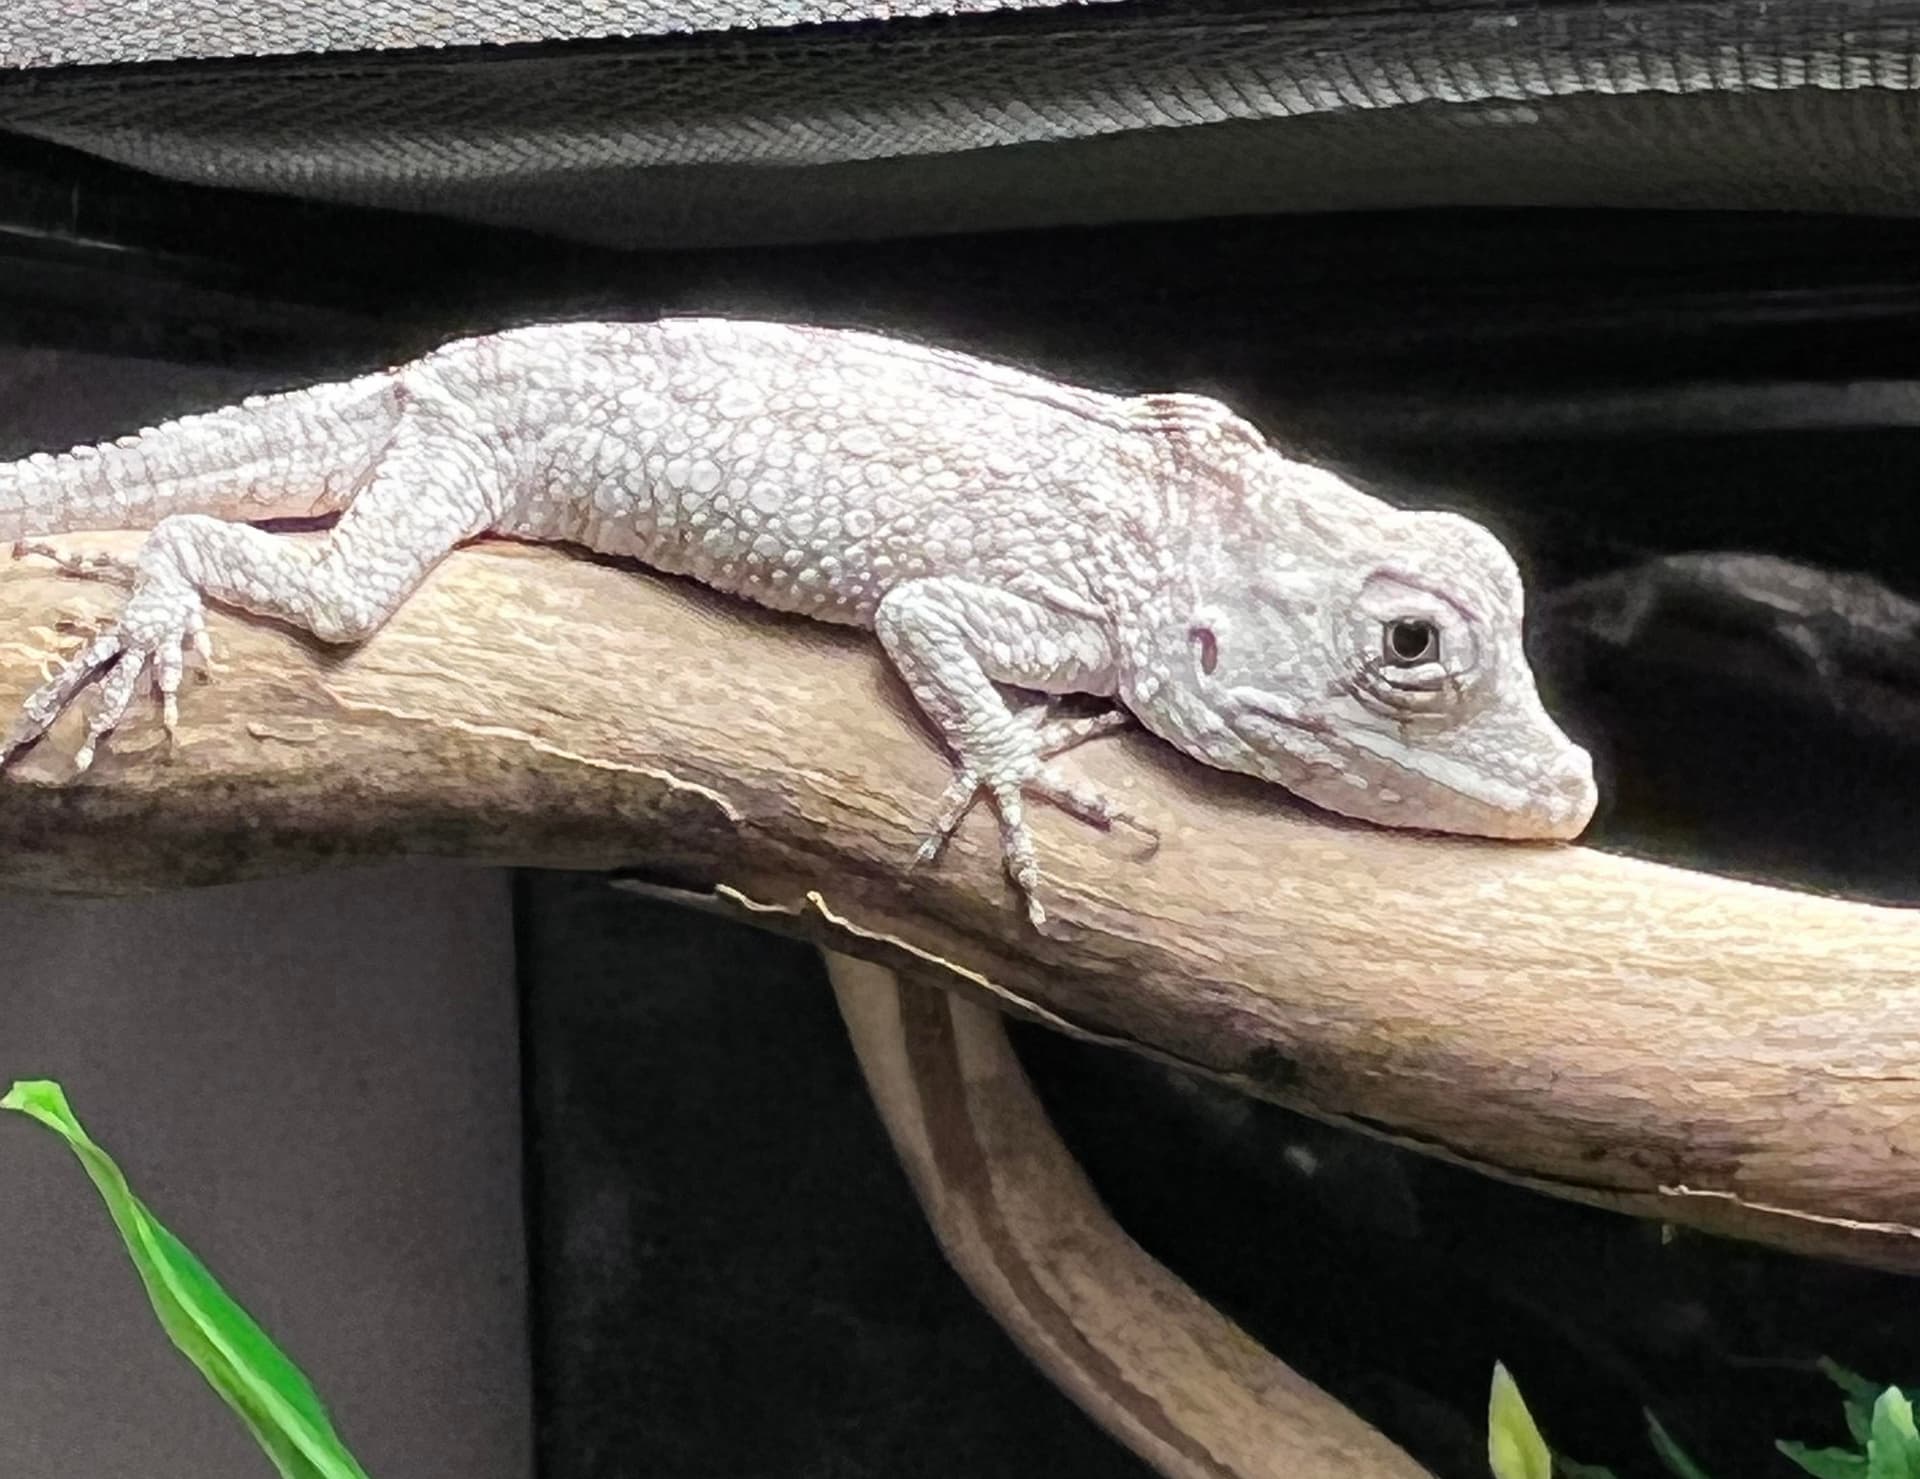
(991, 527)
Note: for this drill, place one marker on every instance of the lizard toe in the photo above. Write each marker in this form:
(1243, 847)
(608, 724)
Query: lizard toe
(93, 564)
(118, 687)
(1016, 839)
(1059, 734)
(144, 652)
(51, 699)
(958, 799)
(1092, 806)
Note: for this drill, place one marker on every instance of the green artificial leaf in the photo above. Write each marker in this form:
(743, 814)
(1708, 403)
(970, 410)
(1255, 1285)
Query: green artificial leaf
(1861, 1395)
(1515, 1449)
(1826, 1463)
(1671, 1453)
(257, 1380)
(1893, 1446)
(1851, 1382)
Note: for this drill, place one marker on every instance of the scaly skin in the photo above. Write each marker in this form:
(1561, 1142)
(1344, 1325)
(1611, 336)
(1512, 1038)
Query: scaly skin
(991, 527)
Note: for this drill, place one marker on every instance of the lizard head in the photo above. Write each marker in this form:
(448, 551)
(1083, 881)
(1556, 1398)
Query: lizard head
(1371, 664)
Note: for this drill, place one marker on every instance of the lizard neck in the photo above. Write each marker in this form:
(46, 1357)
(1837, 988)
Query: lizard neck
(1256, 550)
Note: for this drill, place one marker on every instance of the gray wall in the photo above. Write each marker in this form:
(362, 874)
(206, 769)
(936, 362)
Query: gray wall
(315, 1084)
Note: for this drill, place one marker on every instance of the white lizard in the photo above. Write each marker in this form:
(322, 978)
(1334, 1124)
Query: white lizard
(990, 526)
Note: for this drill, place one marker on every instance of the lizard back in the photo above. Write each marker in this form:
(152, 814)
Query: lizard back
(813, 469)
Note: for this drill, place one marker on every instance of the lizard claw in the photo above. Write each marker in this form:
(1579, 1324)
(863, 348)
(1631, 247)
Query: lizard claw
(1076, 798)
(145, 650)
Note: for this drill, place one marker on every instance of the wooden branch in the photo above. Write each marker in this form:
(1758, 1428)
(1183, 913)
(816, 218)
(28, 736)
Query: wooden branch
(1161, 1370)
(1740, 1059)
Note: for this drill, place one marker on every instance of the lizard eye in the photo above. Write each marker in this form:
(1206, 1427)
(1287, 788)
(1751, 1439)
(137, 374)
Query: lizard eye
(1409, 641)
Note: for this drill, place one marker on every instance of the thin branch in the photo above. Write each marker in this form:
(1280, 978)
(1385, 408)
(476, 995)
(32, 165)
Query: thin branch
(1161, 1370)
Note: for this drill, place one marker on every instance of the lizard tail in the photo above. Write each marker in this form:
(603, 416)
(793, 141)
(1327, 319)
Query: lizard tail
(293, 454)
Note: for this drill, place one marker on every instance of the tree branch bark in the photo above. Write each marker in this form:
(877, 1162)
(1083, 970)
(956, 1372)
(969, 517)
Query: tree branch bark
(1736, 1058)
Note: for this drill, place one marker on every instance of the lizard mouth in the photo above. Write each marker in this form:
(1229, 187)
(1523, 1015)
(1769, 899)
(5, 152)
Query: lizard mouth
(1409, 785)
(1261, 711)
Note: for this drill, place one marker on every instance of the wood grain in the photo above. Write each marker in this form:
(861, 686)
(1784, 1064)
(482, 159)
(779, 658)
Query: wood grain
(1736, 1058)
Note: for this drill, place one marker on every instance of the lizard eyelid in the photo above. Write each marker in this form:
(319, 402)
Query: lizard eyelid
(1445, 597)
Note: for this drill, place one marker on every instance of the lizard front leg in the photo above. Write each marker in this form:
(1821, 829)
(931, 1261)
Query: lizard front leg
(434, 486)
(953, 640)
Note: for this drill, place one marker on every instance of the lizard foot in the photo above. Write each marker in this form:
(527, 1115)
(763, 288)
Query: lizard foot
(95, 566)
(1076, 798)
(162, 623)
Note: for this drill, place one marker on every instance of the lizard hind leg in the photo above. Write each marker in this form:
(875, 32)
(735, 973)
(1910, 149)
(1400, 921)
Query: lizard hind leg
(431, 488)
(952, 641)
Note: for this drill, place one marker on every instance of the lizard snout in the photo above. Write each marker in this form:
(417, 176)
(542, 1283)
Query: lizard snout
(1567, 795)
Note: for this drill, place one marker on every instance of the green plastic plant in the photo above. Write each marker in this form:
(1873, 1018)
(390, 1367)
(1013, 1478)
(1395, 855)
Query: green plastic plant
(279, 1407)
(1881, 1422)
(255, 1377)
(1515, 1449)
(1879, 1418)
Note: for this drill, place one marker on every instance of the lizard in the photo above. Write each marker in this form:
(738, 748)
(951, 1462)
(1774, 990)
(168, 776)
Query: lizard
(996, 530)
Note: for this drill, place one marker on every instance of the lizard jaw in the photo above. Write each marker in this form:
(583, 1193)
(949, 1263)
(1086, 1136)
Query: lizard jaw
(1376, 777)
